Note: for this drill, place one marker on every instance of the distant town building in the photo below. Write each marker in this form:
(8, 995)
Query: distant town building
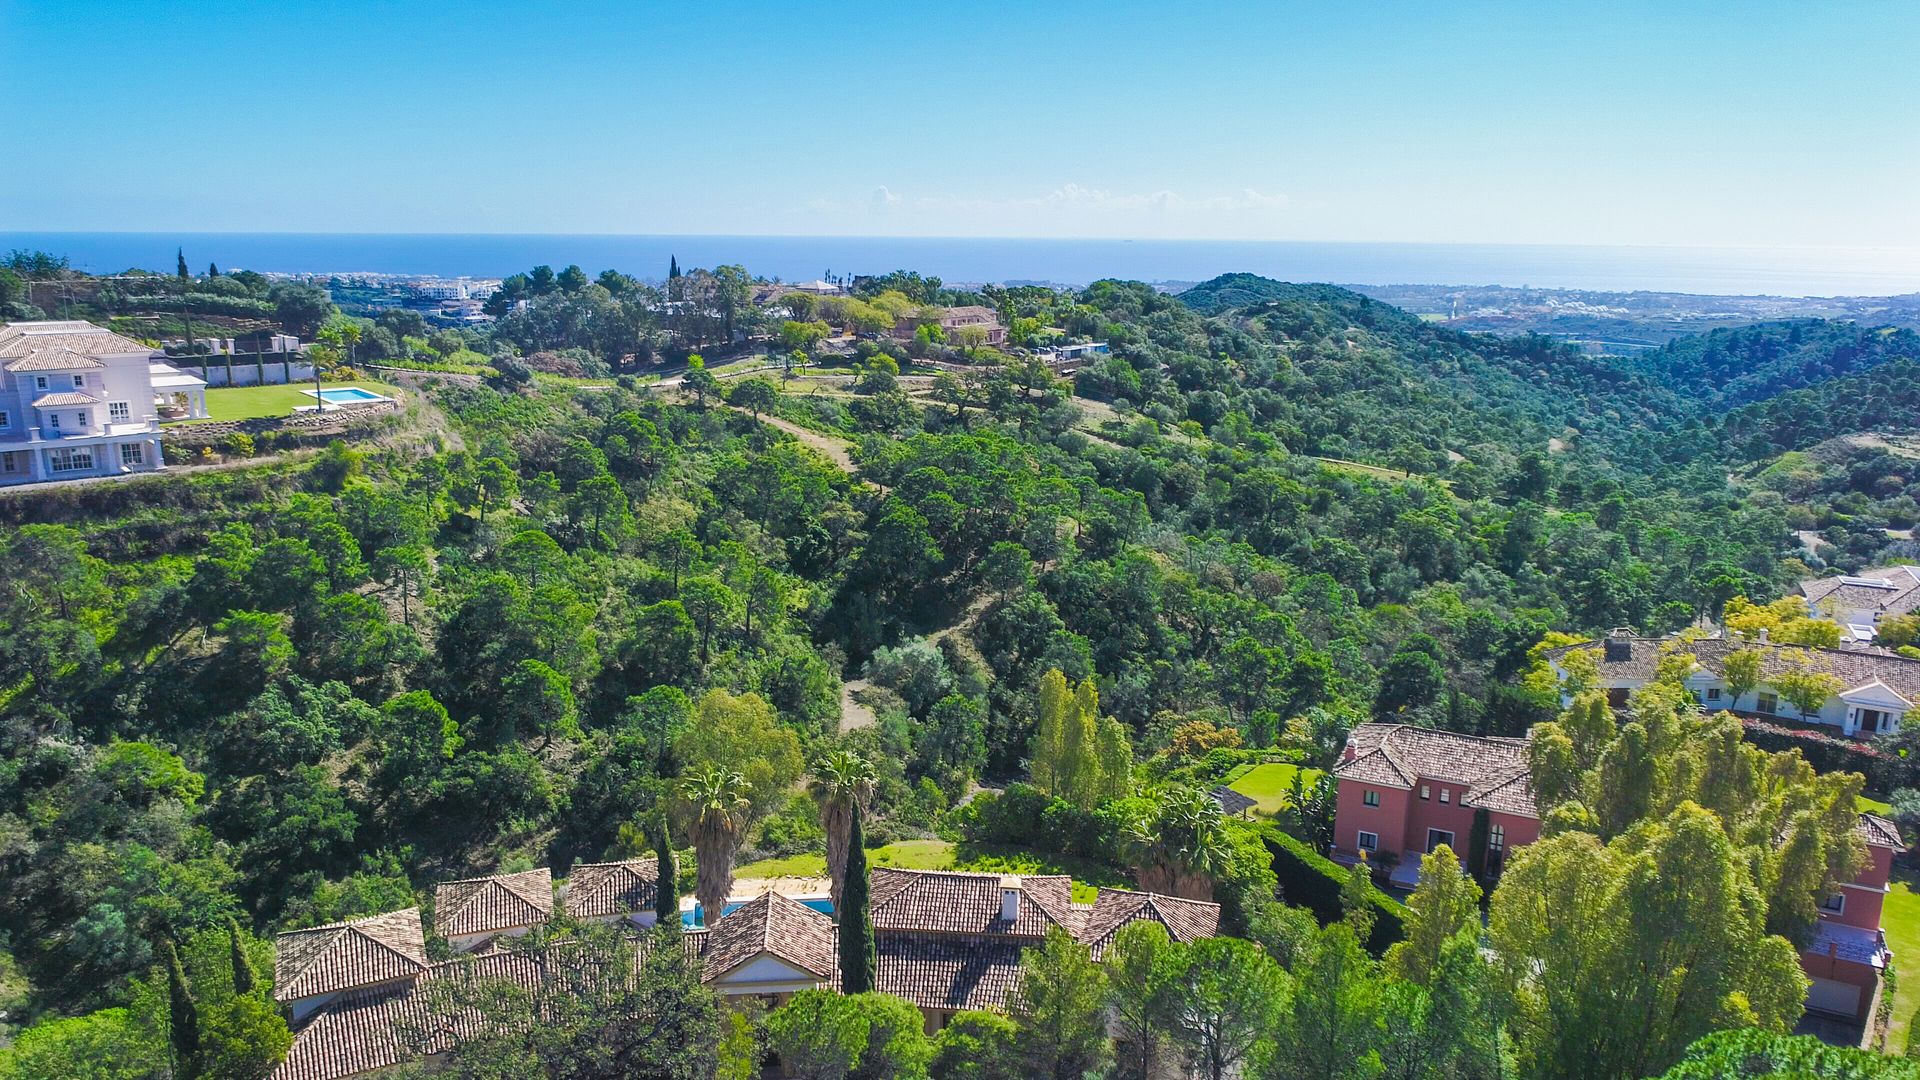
(78, 400)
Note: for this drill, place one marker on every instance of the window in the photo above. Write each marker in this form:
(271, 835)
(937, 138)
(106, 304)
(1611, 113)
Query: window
(1425, 793)
(81, 419)
(39, 382)
(119, 411)
(1496, 838)
(6, 419)
(1835, 903)
(77, 459)
(132, 453)
(1446, 795)
(79, 381)
(1368, 841)
(1371, 798)
(53, 421)
(9, 462)
(1713, 693)
(1766, 703)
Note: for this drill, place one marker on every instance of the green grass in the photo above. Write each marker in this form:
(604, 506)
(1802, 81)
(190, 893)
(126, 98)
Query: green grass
(1900, 918)
(252, 402)
(1088, 877)
(1872, 806)
(1270, 784)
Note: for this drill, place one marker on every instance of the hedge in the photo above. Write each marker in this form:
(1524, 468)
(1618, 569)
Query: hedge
(1311, 880)
(1830, 753)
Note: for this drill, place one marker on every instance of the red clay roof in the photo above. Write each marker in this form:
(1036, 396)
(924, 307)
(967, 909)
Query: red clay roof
(343, 956)
(488, 904)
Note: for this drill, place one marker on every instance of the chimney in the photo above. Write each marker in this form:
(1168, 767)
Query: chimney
(1009, 898)
(1619, 645)
(1763, 635)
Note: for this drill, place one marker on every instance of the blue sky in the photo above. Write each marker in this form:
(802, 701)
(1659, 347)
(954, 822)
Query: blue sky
(1658, 123)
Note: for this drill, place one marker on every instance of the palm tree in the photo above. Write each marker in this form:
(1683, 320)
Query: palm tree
(1179, 848)
(715, 800)
(841, 781)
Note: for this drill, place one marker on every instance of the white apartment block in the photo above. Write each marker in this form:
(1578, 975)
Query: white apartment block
(77, 400)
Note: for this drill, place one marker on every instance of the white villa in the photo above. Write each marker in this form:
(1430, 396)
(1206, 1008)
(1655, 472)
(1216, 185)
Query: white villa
(78, 400)
(1859, 601)
(1878, 688)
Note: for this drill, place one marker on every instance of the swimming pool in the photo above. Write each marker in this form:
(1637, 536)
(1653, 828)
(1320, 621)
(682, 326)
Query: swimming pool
(347, 395)
(822, 904)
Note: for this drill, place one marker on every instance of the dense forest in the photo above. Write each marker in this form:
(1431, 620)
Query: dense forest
(239, 701)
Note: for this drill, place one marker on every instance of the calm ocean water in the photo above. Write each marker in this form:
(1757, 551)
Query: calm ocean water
(1725, 271)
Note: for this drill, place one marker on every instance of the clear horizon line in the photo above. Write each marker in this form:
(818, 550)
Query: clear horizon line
(7, 230)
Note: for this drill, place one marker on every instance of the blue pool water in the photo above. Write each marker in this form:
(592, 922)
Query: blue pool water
(696, 917)
(348, 395)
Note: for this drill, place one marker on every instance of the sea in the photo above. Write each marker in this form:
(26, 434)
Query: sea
(1726, 271)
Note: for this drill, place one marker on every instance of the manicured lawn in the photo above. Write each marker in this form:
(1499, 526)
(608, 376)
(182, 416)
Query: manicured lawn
(1900, 918)
(941, 855)
(1872, 806)
(251, 402)
(1270, 784)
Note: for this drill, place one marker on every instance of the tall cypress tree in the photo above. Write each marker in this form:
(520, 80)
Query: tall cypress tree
(213, 271)
(244, 979)
(183, 1018)
(666, 894)
(856, 920)
(180, 268)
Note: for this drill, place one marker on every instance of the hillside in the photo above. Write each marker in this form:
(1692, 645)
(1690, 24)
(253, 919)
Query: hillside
(1730, 368)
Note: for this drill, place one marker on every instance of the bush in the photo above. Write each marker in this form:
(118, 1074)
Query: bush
(1313, 881)
(1025, 816)
(237, 444)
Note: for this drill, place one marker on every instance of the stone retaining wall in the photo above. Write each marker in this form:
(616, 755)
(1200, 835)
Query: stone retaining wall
(308, 422)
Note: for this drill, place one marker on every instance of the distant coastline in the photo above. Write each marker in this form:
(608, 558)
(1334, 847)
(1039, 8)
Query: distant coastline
(1699, 270)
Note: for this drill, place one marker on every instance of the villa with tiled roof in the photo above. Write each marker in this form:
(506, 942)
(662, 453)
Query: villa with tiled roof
(79, 400)
(944, 940)
(474, 912)
(1878, 687)
(1405, 790)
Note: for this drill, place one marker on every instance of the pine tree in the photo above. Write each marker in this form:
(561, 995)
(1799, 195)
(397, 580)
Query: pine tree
(183, 1019)
(857, 956)
(244, 980)
(180, 268)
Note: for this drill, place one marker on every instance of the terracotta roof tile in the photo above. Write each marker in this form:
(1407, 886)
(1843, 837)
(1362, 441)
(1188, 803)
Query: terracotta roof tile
(776, 924)
(54, 359)
(22, 339)
(489, 904)
(1185, 920)
(66, 397)
(955, 902)
(1880, 832)
(596, 890)
(344, 956)
(944, 971)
